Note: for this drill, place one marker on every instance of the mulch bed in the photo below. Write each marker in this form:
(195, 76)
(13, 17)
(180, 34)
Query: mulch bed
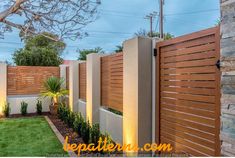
(74, 138)
(64, 130)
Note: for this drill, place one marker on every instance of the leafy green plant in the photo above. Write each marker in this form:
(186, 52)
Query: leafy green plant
(64, 113)
(85, 131)
(60, 110)
(6, 109)
(71, 119)
(95, 134)
(108, 141)
(39, 107)
(24, 107)
(53, 89)
(83, 53)
(115, 111)
(77, 124)
(40, 51)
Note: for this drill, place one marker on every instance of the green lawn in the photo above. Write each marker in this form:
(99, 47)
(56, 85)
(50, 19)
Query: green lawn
(28, 137)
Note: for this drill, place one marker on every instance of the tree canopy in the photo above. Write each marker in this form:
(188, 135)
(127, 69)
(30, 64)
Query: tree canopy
(143, 32)
(119, 49)
(40, 51)
(65, 18)
(84, 52)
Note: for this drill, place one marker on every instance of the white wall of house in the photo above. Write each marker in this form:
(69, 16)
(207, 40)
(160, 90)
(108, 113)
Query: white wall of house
(112, 124)
(31, 100)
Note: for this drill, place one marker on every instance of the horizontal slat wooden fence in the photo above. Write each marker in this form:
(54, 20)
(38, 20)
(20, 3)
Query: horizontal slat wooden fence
(112, 81)
(28, 80)
(188, 93)
(82, 81)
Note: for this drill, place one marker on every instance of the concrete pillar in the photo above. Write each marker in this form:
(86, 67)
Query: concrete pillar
(154, 41)
(3, 86)
(227, 42)
(73, 85)
(93, 87)
(137, 91)
(63, 74)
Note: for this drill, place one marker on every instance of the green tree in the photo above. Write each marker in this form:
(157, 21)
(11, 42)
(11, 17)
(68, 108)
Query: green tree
(143, 32)
(84, 52)
(119, 49)
(40, 51)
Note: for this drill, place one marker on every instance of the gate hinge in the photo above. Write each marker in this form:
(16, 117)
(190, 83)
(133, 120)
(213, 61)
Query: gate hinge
(155, 52)
(218, 65)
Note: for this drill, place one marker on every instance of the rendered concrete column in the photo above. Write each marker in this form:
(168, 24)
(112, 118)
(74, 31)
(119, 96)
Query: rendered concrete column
(3, 86)
(154, 41)
(73, 85)
(63, 74)
(93, 87)
(227, 54)
(137, 91)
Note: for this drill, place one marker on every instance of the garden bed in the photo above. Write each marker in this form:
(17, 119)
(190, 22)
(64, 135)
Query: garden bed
(74, 138)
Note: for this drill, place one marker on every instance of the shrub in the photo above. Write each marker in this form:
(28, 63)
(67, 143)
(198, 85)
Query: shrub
(65, 114)
(108, 141)
(60, 110)
(70, 118)
(24, 107)
(85, 132)
(95, 134)
(54, 90)
(115, 111)
(6, 109)
(39, 107)
(77, 124)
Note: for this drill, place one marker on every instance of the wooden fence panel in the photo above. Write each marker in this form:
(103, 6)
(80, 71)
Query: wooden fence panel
(188, 93)
(112, 81)
(82, 81)
(28, 80)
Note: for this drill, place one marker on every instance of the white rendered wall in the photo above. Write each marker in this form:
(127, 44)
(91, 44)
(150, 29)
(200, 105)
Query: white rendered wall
(3, 86)
(82, 108)
(112, 124)
(31, 100)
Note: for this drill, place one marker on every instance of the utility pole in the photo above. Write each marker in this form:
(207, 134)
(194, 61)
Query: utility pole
(161, 3)
(151, 17)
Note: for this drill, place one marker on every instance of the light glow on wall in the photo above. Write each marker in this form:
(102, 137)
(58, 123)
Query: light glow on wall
(3, 86)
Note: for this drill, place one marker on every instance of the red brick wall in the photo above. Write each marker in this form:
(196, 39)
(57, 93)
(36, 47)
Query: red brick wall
(28, 80)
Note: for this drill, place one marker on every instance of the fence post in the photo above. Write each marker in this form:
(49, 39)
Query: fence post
(73, 85)
(154, 41)
(3, 86)
(227, 58)
(63, 74)
(137, 91)
(93, 87)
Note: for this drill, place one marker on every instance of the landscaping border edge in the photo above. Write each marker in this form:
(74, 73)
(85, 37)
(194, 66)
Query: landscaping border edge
(58, 135)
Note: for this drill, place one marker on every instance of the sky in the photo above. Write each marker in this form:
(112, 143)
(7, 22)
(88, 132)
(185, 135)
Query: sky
(118, 20)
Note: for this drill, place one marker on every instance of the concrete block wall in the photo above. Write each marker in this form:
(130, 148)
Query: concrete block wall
(227, 133)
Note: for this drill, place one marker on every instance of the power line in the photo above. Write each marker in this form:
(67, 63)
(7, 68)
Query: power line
(184, 21)
(157, 23)
(111, 32)
(193, 12)
(128, 14)
(151, 17)
(161, 3)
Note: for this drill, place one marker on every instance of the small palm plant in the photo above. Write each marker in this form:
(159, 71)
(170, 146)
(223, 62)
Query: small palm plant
(54, 90)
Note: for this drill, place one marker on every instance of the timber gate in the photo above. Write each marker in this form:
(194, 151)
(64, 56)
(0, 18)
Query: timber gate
(188, 93)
